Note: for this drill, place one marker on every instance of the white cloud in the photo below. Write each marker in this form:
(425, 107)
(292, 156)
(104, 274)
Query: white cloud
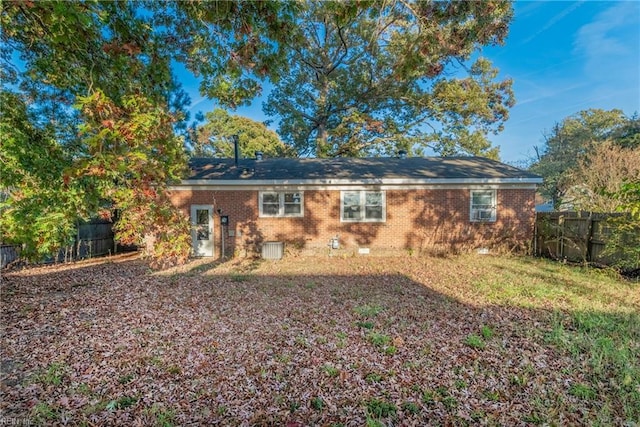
(200, 100)
(610, 45)
(544, 93)
(607, 35)
(554, 20)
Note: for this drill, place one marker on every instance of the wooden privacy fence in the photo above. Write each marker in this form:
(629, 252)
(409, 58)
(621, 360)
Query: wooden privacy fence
(94, 238)
(8, 254)
(575, 236)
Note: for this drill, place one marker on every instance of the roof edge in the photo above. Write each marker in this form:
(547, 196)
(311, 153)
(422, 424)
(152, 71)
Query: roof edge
(346, 182)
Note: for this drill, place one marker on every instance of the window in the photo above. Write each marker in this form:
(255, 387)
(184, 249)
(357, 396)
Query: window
(281, 203)
(483, 206)
(202, 224)
(362, 206)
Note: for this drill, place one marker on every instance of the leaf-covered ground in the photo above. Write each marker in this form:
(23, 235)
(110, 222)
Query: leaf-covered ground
(320, 341)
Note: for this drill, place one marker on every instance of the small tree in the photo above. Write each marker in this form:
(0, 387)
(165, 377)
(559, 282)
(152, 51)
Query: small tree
(575, 139)
(212, 139)
(624, 242)
(599, 175)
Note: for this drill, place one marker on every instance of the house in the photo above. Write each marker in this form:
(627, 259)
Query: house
(359, 205)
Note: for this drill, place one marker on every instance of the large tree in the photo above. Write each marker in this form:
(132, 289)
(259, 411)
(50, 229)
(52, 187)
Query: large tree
(369, 78)
(215, 137)
(573, 140)
(90, 108)
(232, 45)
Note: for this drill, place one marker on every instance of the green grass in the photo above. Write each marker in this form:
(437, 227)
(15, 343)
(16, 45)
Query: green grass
(491, 395)
(381, 408)
(124, 379)
(582, 391)
(441, 394)
(331, 371)
(43, 413)
(608, 344)
(164, 417)
(238, 277)
(294, 406)
(410, 408)
(317, 403)
(474, 341)
(372, 422)
(428, 397)
(377, 339)
(364, 325)
(487, 332)
(450, 402)
(518, 380)
(535, 283)
(174, 369)
(121, 403)
(368, 311)
(83, 389)
(461, 384)
(595, 319)
(382, 342)
(53, 374)
(373, 378)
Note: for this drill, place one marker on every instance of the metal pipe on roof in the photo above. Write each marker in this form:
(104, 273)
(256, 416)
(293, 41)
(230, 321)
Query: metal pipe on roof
(236, 149)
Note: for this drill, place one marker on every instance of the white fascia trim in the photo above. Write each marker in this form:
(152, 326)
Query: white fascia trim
(289, 187)
(362, 184)
(342, 182)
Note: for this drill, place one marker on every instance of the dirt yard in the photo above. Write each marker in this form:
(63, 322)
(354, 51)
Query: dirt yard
(352, 341)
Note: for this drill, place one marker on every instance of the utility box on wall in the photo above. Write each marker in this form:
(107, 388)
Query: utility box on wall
(272, 250)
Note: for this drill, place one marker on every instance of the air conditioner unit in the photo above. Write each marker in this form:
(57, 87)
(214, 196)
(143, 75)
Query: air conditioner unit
(272, 250)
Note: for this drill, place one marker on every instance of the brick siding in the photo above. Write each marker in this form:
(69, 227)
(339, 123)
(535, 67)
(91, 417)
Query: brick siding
(415, 219)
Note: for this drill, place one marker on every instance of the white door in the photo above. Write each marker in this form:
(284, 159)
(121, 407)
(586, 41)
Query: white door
(202, 230)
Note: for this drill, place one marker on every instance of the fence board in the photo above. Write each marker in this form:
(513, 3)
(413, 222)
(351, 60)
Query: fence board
(574, 236)
(95, 238)
(8, 254)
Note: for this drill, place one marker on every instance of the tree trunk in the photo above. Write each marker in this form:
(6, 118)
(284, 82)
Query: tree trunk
(322, 149)
(322, 143)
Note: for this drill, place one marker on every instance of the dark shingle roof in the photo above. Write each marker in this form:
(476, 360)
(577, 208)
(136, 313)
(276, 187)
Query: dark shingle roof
(357, 169)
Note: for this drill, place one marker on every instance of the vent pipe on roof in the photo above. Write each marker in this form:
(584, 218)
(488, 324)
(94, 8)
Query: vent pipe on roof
(258, 155)
(402, 154)
(236, 149)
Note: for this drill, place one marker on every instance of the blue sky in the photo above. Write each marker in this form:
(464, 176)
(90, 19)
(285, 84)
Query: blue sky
(562, 56)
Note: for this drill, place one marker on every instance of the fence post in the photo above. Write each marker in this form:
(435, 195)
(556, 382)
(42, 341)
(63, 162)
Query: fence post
(560, 236)
(590, 239)
(535, 237)
(78, 241)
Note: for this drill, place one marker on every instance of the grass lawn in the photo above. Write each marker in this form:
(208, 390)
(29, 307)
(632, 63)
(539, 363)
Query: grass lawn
(356, 341)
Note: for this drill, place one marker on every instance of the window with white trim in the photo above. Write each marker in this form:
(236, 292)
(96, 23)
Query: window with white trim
(362, 206)
(483, 205)
(281, 203)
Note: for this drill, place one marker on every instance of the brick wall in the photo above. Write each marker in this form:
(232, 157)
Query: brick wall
(415, 219)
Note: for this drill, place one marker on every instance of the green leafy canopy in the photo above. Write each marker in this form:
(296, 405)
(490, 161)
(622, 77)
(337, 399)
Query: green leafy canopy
(91, 109)
(373, 77)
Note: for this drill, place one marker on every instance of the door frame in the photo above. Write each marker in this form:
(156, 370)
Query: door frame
(194, 209)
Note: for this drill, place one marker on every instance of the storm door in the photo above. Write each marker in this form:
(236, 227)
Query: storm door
(202, 230)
